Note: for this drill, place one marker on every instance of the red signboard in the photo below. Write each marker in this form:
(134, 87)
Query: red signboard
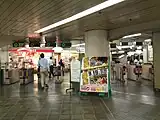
(28, 50)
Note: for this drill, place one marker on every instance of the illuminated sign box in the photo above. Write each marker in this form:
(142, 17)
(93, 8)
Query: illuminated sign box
(63, 44)
(37, 44)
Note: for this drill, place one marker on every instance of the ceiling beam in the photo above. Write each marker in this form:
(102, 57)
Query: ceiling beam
(8, 39)
(152, 26)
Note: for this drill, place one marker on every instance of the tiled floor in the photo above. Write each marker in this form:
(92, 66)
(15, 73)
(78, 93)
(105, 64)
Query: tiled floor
(29, 103)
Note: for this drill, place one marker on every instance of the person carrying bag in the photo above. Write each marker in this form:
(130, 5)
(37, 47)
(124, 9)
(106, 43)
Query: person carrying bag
(44, 69)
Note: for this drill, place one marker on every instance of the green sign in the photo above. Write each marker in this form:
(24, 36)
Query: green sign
(37, 44)
(18, 44)
(63, 44)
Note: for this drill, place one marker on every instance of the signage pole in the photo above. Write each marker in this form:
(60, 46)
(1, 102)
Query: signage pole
(109, 78)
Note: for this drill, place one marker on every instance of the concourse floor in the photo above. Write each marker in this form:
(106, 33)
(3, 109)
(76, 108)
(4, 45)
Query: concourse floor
(127, 103)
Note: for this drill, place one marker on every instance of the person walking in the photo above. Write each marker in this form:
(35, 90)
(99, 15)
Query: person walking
(61, 64)
(44, 67)
(51, 67)
(38, 71)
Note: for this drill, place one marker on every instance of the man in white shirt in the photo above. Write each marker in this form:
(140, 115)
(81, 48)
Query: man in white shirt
(44, 67)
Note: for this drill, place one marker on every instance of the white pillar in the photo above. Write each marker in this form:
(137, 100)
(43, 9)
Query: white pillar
(156, 59)
(43, 41)
(145, 54)
(27, 42)
(96, 43)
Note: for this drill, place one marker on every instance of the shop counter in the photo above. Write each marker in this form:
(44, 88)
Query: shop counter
(145, 72)
(130, 73)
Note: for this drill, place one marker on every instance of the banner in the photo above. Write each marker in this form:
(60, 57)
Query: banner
(75, 71)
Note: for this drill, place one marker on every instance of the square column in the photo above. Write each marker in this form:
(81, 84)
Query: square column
(156, 59)
(96, 43)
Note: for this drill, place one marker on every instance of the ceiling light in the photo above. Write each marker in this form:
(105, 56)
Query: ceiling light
(148, 40)
(134, 35)
(82, 14)
(78, 45)
(121, 52)
(121, 56)
(114, 52)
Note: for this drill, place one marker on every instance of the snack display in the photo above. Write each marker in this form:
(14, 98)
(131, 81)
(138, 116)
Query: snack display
(86, 62)
(94, 75)
(85, 78)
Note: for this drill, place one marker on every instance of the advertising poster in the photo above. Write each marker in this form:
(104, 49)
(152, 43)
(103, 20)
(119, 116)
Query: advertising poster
(94, 75)
(75, 71)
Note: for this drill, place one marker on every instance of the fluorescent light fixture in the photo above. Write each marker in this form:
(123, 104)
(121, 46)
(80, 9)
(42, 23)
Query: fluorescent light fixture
(122, 47)
(125, 47)
(78, 45)
(134, 35)
(121, 56)
(120, 52)
(82, 14)
(148, 40)
(114, 52)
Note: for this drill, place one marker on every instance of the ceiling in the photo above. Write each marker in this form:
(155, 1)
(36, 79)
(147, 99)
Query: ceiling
(21, 17)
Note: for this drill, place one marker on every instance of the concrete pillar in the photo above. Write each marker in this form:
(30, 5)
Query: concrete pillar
(96, 43)
(27, 43)
(43, 41)
(58, 41)
(156, 59)
(145, 54)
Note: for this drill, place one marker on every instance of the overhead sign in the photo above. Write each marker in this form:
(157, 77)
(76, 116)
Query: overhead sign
(34, 42)
(62, 44)
(18, 43)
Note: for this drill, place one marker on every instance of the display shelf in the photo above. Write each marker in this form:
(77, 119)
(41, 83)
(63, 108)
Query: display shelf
(94, 75)
(96, 67)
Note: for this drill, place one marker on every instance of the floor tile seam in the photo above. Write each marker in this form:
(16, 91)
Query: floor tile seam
(61, 109)
(139, 96)
(136, 101)
(94, 111)
(133, 94)
(107, 108)
(8, 110)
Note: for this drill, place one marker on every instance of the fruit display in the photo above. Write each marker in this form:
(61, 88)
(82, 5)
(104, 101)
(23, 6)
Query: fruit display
(86, 62)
